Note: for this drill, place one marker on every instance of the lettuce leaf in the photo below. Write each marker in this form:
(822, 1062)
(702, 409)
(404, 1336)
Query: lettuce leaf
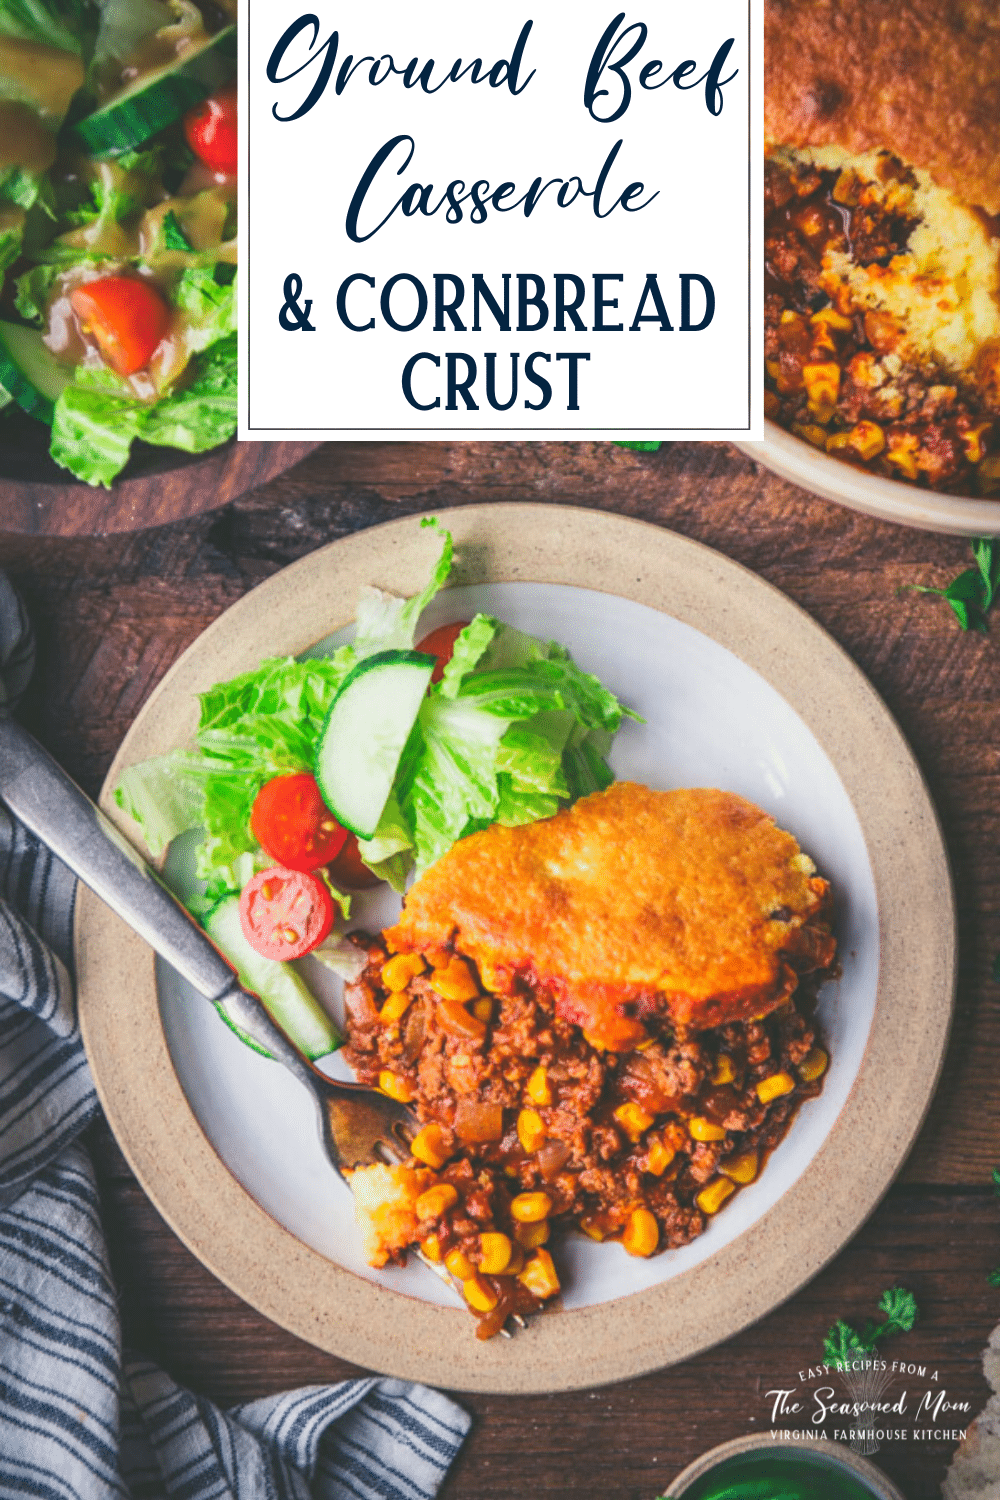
(514, 731)
(68, 25)
(203, 414)
(10, 246)
(92, 433)
(32, 290)
(387, 623)
(96, 422)
(164, 796)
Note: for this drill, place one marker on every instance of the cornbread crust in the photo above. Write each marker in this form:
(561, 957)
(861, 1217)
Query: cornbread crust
(918, 77)
(632, 900)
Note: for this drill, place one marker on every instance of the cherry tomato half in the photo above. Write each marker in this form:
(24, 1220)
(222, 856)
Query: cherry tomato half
(292, 823)
(285, 913)
(441, 643)
(126, 317)
(211, 131)
(347, 871)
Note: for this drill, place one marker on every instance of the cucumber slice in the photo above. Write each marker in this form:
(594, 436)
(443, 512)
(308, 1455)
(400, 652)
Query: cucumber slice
(158, 99)
(29, 373)
(288, 999)
(365, 731)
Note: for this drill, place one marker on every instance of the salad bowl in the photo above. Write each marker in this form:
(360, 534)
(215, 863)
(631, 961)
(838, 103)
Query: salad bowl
(749, 695)
(160, 485)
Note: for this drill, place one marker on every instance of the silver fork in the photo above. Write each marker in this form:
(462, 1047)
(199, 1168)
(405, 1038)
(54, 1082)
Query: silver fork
(357, 1125)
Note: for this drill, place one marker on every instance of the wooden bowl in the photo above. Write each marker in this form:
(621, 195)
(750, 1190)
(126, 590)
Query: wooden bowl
(159, 485)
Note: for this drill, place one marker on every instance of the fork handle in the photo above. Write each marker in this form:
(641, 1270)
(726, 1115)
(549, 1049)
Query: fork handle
(41, 795)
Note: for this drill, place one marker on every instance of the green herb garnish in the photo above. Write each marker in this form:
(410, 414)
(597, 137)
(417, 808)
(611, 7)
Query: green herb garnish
(844, 1344)
(972, 594)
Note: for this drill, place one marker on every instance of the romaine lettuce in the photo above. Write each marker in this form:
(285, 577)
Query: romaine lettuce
(514, 731)
(96, 422)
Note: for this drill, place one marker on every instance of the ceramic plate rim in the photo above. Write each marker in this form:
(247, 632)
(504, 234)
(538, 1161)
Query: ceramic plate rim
(871, 494)
(353, 1318)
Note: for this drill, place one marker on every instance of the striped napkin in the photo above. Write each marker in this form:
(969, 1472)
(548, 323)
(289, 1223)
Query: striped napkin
(80, 1419)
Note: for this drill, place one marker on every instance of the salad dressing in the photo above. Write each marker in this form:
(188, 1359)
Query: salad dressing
(45, 74)
(24, 139)
(165, 46)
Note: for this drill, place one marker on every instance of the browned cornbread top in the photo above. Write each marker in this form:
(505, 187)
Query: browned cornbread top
(920, 77)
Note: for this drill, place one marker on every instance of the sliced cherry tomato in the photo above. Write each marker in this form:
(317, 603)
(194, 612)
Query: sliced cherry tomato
(292, 823)
(285, 913)
(211, 131)
(347, 871)
(441, 643)
(127, 319)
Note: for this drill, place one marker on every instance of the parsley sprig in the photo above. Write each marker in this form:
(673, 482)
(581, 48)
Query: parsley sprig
(973, 593)
(844, 1344)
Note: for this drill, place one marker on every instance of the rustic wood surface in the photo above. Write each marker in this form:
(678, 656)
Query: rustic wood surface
(160, 485)
(114, 612)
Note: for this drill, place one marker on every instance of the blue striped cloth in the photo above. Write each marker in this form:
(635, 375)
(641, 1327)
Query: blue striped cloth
(80, 1419)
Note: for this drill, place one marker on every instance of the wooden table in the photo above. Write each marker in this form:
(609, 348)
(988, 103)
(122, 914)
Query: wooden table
(112, 614)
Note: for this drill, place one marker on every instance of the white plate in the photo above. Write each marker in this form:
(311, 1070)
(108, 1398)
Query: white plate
(710, 721)
(739, 689)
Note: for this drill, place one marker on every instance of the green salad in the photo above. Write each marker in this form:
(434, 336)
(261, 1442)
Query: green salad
(118, 238)
(312, 777)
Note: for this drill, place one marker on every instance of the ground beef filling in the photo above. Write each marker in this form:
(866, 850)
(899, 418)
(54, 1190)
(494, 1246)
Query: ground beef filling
(834, 373)
(538, 1130)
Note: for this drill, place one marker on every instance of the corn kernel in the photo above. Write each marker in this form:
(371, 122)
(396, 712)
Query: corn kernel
(430, 1145)
(723, 1072)
(973, 442)
(539, 1088)
(822, 383)
(436, 1201)
(701, 1129)
(774, 1087)
(530, 1236)
(396, 1087)
(529, 1208)
(482, 1009)
(741, 1168)
(813, 1065)
(539, 1275)
(633, 1119)
(832, 319)
(395, 1007)
(479, 1294)
(773, 367)
(645, 1045)
(399, 970)
(592, 1228)
(711, 1198)
(495, 1251)
(866, 440)
(492, 979)
(658, 1156)
(431, 1247)
(459, 1264)
(530, 1130)
(642, 1233)
(515, 1265)
(902, 453)
(810, 433)
(456, 982)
